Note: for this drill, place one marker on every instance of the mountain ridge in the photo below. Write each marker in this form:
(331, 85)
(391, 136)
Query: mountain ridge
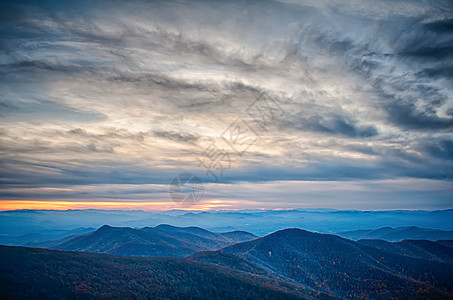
(162, 240)
(344, 267)
(64, 275)
(397, 234)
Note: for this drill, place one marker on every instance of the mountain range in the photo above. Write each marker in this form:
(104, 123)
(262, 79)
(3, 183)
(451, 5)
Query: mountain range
(345, 268)
(293, 263)
(21, 227)
(162, 241)
(398, 234)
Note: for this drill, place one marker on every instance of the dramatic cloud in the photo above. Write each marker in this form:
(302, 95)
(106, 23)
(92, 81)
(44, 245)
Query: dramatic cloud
(108, 101)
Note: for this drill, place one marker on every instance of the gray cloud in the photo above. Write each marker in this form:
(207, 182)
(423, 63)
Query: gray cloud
(130, 93)
(177, 136)
(330, 124)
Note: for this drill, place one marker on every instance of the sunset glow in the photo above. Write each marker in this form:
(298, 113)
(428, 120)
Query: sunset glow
(123, 205)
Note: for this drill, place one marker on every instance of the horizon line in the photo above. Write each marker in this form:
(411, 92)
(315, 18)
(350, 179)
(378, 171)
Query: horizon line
(222, 210)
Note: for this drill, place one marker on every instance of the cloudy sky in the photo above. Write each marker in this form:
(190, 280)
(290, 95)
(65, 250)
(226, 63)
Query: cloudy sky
(273, 104)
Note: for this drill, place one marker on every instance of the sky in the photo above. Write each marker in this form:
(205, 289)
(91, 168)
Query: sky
(271, 104)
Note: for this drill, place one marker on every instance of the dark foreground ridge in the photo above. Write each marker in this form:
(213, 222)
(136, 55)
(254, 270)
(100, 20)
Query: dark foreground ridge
(29, 273)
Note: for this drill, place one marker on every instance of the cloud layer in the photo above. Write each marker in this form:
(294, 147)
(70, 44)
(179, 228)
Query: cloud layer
(112, 95)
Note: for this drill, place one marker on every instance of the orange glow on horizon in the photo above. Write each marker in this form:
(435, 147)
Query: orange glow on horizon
(123, 205)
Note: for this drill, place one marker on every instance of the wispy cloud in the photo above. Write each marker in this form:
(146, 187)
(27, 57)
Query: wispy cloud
(103, 93)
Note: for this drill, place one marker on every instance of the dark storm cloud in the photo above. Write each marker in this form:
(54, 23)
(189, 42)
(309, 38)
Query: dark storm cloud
(446, 72)
(408, 117)
(334, 124)
(442, 149)
(442, 26)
